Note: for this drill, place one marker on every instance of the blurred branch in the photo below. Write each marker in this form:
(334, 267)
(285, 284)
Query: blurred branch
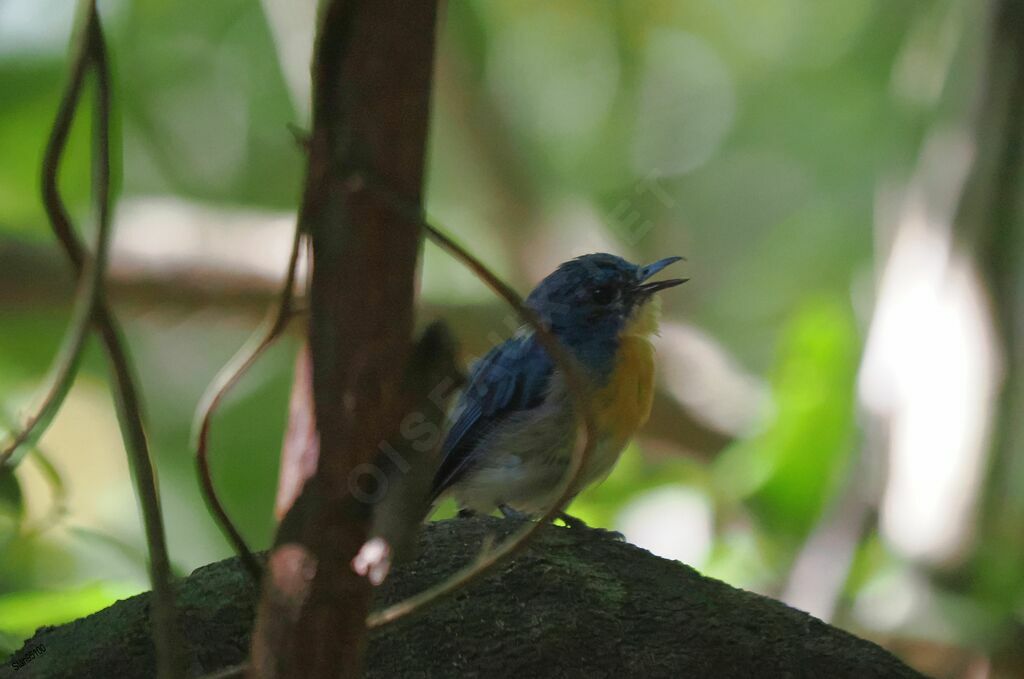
(673, 427)
(990, 220)
(30, 276)
(91, 51)
(991, 217)
(33, 277)
(273, 326)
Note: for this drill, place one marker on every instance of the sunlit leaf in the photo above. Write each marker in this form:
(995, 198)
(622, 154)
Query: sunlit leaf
(790, 468)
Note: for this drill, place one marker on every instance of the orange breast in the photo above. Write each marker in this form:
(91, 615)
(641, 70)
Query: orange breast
(623, 405)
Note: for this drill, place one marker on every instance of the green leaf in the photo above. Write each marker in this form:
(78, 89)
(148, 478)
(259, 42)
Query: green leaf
(789, 470)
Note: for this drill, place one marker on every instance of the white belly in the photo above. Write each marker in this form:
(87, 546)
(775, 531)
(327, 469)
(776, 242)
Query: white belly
(524, 462)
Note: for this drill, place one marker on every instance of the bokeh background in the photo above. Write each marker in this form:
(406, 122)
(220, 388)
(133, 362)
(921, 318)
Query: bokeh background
(835, 422)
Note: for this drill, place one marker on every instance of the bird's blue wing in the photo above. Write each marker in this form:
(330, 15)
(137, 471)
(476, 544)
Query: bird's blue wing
(512, 377)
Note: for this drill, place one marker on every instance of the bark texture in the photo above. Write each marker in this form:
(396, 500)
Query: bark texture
(372, 70)
(575, 603)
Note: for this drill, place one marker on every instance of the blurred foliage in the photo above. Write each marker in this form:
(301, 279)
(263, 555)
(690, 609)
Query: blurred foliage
(12, 506)
(24, 612)
(755, 137)
(789, 470)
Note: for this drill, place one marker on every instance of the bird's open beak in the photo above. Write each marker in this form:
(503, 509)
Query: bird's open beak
(646, 272)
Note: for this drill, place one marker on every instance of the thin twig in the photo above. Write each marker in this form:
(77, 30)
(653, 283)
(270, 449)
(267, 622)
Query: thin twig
(65, 365)
(270, 329)
(575, 382)
(92, 52)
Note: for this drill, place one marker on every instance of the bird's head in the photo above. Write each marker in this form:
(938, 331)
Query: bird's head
(598, 297)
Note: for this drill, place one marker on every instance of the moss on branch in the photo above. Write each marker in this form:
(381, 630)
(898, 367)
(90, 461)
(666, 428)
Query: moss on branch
(575, 603)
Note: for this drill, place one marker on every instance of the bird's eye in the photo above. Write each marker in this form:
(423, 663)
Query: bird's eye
(604, 294)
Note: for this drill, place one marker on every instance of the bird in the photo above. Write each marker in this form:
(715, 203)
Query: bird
(513, 428)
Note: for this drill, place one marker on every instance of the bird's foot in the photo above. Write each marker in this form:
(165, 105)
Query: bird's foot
(465, 513)
(510, 513)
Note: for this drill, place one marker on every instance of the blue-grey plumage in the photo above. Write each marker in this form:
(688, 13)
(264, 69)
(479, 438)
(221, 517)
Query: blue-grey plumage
(513, 428)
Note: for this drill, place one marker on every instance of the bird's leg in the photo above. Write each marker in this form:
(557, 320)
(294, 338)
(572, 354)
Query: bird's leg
(510, 513)
(465, 513)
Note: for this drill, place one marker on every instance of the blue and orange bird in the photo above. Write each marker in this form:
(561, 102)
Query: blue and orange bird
(513, 432)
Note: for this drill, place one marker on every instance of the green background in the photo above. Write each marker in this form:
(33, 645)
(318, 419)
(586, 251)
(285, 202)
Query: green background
(774, 143)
